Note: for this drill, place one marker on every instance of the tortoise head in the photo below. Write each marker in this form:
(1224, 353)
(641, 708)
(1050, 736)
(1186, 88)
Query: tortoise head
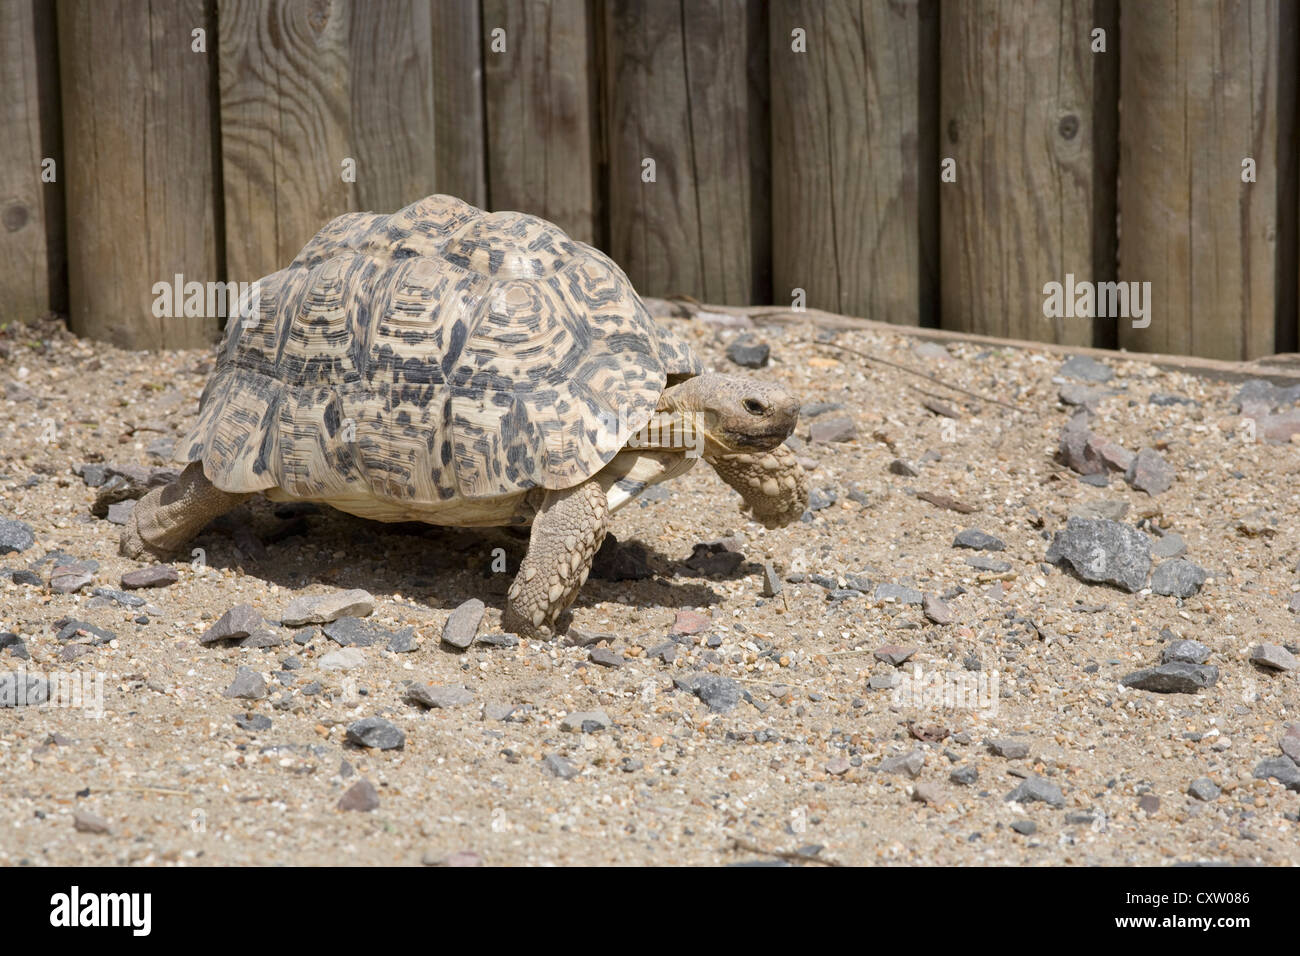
(734, 414)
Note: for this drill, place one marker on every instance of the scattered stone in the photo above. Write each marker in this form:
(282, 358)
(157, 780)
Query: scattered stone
(606, 657)
(586, 722)
(14, 646)
(247, 685)
(377, 733)
(747, 352)
(982, 563)
(1165, 399)
(1273, 657)
(1282, 769)
(936, 610)
(86, 822)
(1203, 788)
(1176, 677)
(894, 654)
(1149, 472)
(119, 511)
(771, 581)
(118, 597)
(15, 536)
(559, 767)
(690, 622)
(1036, 789)
(819, 499)
(1010, 748)
(947, 502)
(1087, 396)
(1024, 827)
(1085, 368)
(927, 792)
(621, 562)
(252, 722)
(908, 764)
(127, 483)
(1178, 578)
(1103, 510)
(898, 594)
(498, 640)
(353, 632)
(1290, 742)
(903, 467)
(324, 608)
(361, 796)
(1105, 551)
(69, 578)
(1149, 803)
(1074, 449)
(157, 576)
(342, 660)
(836, 428)
(1189, 652)
(578, 637)
(942, 409)
(883, 681)
(977, 540)
(236, 624)
(403, 641)
(721, 694)
(438, 695)
(462, 624)
(966, 776)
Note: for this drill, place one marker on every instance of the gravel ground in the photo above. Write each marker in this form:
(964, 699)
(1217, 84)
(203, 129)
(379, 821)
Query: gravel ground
(688, 719)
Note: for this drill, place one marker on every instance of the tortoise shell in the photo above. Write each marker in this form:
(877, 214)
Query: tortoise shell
(431, 356)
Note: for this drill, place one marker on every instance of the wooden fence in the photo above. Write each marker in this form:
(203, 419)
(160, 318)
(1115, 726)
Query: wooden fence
(905, 160)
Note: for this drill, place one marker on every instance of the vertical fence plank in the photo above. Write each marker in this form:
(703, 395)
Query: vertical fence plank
(680, 94)
(284, 127)
(1200, 89)
(1021, 118)
(852, 207)
(540, 103)
(392, 126)
(137, 165)
(31, 212)
(460, 157)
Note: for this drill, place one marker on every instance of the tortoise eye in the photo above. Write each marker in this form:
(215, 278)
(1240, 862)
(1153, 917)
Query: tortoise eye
(754, 406)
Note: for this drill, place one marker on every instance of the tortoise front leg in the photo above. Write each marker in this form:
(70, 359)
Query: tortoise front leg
(166, 518)
(566, 535)
(773, 483)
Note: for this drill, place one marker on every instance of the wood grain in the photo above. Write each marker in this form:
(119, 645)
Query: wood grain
(460, 148)
(1021, 118)
(540, 102)
(1204, 85)
(682, 91)
(138, 167)
(853, 175)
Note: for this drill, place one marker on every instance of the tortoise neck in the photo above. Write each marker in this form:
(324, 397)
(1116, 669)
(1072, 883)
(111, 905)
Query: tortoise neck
(676, 431)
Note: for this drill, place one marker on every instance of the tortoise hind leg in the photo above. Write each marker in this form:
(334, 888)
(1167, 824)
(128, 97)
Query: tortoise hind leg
(566, 535)
(166, 518)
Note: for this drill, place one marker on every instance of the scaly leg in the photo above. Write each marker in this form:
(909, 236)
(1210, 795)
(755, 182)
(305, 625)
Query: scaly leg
(773, 483)
(567, 533)
(166, 518)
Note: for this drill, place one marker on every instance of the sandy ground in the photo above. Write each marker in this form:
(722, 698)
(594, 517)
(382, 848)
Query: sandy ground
(794, 768)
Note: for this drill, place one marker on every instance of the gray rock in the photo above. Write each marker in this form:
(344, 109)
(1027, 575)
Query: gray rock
(1075, 450)
(936, 610)
(82, 632)
(586, 722)
(1024, 827)
(1104, 510)
(1036, 789)
(1009, 747)
(403, 641)
(83, 821)
(342, 660)
(23, 690)
(361, 797)
(1273, 657)
(498, 640)
(1105, 551)
(14, 646)
(771, 580)
(119, 511)
(606, 657)
(1150, 472)
(438, 695)
(235, 625)
(119, 597)
(23, 576)
(1176, 677)
(353, 632)
(1086, 395)
(1290, 742)
(983, 563)
(69, 578)
(462, 624)
(819, 499)
(1203, 788)
(1177, 578)
(323, 608)
(128, 482)
(1085, 368)
(252, 722)
(978, 540)
(247, 685)
(559, 767)
(1283, 769)
(1165, 399)
(893, 654)
(1189, 652)
(883, 681)
(966, 776)
(898, 594)
(900, 466)
(836, 428)
(721, 694)
(1170, 546)
(377, 733)
(156, 576)
(748, 352)
(908, 764)
(15, 536)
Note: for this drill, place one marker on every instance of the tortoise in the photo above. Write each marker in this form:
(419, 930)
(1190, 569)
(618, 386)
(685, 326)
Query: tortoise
(462, 368)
